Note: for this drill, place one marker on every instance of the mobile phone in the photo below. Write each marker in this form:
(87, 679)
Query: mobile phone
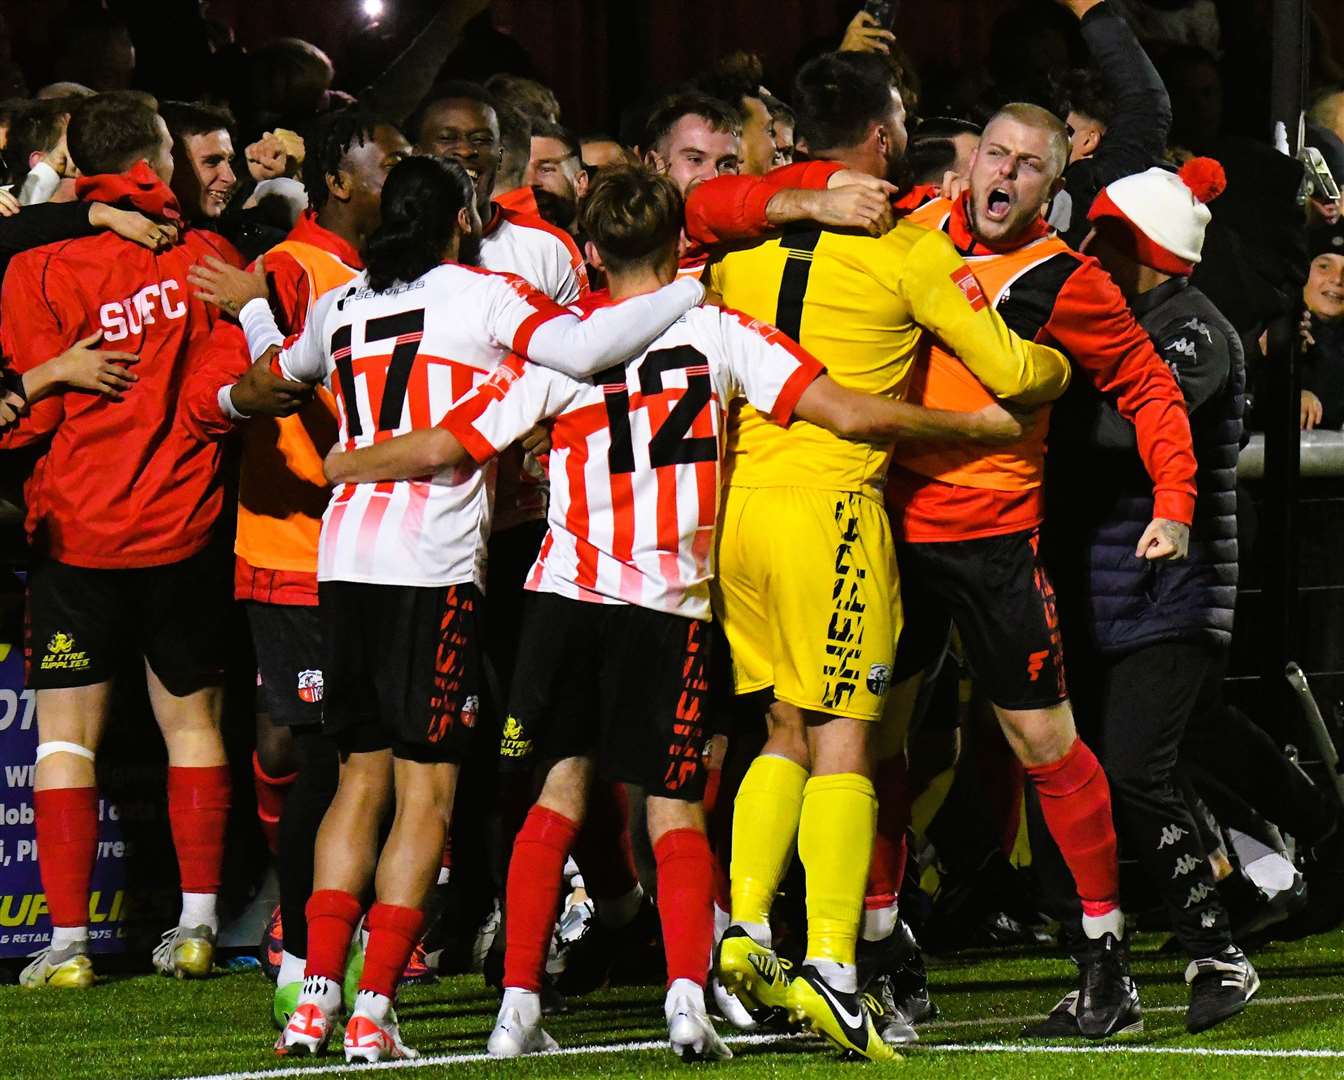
(1322, 183)
(883, 12)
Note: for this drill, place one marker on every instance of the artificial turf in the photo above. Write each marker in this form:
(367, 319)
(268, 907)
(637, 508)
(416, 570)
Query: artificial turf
(145, 1026)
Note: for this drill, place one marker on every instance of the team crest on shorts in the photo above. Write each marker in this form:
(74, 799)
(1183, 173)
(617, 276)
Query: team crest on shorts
(467, 714)
(310, 686)
(512, 742)
(879, 679)
(61, 654)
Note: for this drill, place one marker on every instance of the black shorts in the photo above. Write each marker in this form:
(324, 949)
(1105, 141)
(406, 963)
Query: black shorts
(997, 592)
(84, 623)
(624, 684)
(402, 668)
(287, 639)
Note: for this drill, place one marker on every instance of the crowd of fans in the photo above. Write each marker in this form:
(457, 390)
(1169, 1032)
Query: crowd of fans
(769, 456)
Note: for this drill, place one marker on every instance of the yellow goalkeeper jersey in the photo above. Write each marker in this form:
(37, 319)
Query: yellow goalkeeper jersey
(859, 304)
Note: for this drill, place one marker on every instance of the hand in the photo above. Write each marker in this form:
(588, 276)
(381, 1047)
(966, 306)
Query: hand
(132, 226)
(1164, 540)
(1078, 7)
(863, 34)
(266, 158)
(334, 465)
(84, 366)
(1304, 329)
(261, 392)
(58, 158)
(953, 186)
(227, 287)
(12, 406)
(537, 441)
(998, 425)
(9, 205)
(1312, 410)
(854, 207)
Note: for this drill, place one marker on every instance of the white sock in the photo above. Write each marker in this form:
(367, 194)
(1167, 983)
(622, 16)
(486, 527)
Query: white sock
(291, 969)
(879, 923)
(759, 933)
(1113, 922)
(198, 909)
(527, 1003)
(842, 977)
(621, 911)
(64, 936)
(684, 988)
(373, 1005)
(722, 920)
(323, 992)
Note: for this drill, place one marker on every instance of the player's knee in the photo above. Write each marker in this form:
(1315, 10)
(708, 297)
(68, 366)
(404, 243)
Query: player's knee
(565, 789)
(63, 763)
(668, 815)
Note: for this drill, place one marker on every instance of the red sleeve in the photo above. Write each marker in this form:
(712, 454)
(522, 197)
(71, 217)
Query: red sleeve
(223, 362)
(40, 318)
(289, 293)
(1094, 325)
(733, 207)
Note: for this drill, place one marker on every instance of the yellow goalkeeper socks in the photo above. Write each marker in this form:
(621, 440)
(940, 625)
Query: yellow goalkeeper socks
(765, 824)
(835, 842)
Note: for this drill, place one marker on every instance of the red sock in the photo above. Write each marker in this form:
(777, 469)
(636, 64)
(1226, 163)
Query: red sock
(1076, 805)
(602, 848)
(67, 843)
(332, 915)
(887, 868)
(446, 863)
(393, 932)
(685, 902)
(535, 874)
(713, 779)
(198, 811)
(271, 792)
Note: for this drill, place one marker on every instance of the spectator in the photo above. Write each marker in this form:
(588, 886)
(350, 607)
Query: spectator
(1323, 361)
(1083, 104)
(515, 147)
(40, 159)
(599, 150)
(693, 137)
(1140, 115)
(556, 168)
(1327, 109)
(785, 122)
(286, 84)
(531, 98)
(736, 79)
(943, 145)
(203, 176)
(1192, 79)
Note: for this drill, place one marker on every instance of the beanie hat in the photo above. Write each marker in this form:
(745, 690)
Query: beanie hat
(1326, 240)
(1164, 212)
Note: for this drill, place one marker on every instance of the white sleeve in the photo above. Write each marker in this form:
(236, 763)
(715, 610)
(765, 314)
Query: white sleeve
(507, 405)
(610, 335)
(39, 185)
(771, 369)
(303, 361)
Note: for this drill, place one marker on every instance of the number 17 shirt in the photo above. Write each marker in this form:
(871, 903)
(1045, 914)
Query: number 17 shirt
(635, 462)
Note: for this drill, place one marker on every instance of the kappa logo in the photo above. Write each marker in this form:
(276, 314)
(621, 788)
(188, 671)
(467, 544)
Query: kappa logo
(1184, 346)
(513, 741)
(964, 280)
(61, 654)
(1170, 834)
(1199, 328)
(879, 679)
(1184, 865)
(310, 686)
(1208, 919)
(1198, 894)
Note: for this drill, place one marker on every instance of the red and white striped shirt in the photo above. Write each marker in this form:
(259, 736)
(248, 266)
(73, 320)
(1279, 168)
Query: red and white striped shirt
(398, 360)
(635, 462)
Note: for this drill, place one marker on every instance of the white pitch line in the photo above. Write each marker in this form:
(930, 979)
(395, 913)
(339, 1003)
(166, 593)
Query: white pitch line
(770, 1039)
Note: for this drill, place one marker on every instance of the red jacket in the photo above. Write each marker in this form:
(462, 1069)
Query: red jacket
(121, 483)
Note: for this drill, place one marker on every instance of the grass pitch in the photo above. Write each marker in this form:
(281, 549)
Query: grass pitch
(150, 1027)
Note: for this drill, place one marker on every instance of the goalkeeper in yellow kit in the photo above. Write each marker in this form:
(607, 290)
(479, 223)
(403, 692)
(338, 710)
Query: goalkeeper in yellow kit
(807, 588)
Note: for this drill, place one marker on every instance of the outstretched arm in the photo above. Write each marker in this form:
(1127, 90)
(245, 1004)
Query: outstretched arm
(871, 418)
(417, 453)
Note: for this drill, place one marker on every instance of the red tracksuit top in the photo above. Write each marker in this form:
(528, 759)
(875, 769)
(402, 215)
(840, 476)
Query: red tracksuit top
(121, 483)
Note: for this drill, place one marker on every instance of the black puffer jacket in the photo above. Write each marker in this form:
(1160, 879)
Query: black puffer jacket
(1100, 499)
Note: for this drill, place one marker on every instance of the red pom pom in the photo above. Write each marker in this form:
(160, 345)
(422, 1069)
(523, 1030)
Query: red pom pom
(1204, 177)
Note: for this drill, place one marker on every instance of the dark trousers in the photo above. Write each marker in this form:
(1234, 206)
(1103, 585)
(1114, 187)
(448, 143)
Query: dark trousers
(1136, 711)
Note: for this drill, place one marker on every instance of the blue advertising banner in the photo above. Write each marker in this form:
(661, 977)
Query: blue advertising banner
(127, 891)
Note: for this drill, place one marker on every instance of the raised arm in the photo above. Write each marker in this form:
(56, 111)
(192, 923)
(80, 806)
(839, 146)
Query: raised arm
(946, 299)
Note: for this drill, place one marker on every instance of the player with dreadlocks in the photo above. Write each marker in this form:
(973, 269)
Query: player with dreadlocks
(286, 432)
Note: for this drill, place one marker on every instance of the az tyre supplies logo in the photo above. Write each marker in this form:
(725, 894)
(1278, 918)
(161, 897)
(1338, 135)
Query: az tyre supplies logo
(61, 654)
(512, 742)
